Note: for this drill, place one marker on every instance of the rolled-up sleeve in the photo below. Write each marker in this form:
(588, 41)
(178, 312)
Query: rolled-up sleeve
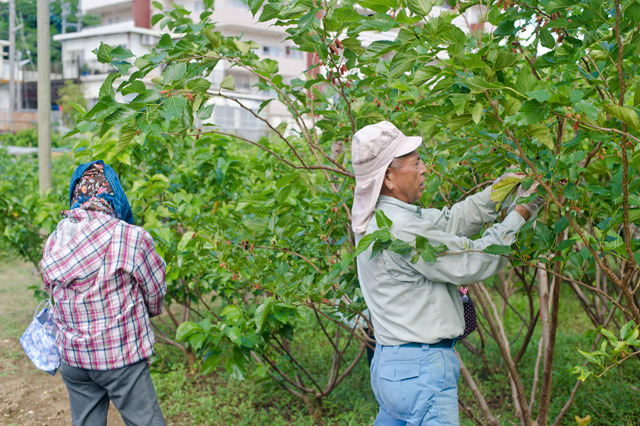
(149, 273)
(464, 262)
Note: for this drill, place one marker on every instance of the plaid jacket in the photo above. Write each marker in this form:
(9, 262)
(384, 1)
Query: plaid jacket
(107, 280)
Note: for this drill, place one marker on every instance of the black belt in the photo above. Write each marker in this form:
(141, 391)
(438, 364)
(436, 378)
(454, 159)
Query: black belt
(444, 343)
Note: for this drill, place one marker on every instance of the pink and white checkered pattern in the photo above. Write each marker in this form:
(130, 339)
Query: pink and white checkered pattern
(107, 281)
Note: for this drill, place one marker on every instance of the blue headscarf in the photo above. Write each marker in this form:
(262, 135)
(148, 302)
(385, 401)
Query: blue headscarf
(118, 200)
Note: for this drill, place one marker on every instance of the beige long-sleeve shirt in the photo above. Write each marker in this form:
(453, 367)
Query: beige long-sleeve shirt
(419, 301)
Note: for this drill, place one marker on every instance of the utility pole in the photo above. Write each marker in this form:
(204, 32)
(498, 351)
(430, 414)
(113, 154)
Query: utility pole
(12, 62)
(44, 97)
(66, 9)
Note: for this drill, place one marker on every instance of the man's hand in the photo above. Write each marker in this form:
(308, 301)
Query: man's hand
(530, 209)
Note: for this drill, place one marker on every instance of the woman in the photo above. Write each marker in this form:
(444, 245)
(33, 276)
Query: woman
(107, 280)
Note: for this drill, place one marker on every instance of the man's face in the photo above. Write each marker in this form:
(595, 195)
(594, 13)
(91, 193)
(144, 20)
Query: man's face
(406, 183)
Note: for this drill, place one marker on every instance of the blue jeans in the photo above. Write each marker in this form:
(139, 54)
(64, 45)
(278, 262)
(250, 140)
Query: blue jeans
(415, 385)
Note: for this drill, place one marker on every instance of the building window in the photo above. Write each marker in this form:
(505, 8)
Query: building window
(293, 53)
(239, 3)
(271, 51)
(242, 82)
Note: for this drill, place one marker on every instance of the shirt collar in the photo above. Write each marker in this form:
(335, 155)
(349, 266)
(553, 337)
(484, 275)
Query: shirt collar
(78, 214)
(385, 199)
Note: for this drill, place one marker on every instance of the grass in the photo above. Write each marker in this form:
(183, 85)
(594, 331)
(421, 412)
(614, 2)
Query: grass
(17, 304)
(188, 398)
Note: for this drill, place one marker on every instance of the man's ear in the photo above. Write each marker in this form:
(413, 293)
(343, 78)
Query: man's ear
(388, 180)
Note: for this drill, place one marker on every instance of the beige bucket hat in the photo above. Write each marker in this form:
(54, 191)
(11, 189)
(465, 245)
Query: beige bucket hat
(372, 150)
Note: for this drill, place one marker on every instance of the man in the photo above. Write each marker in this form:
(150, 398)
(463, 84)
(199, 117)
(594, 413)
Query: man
(415, 306)
(107, 280)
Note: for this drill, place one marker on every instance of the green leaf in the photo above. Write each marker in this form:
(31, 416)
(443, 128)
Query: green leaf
(174, 72)
(106, 89)
(456, 123)
(400, 247)
(501, 189)
(571, 191)
(307, 19)
(497, 249)
(543, 134)
(546, 39)
(156, 18)
(610, 336)
(121, 53)
(174, 106)
(186, 238)
(103, 53)
(627, 330)
(228, 83)
(544, 234)
(380, 6)
(382, 220)
(354, 45)
(576, 96)
(269, 12)
(420, 7)
(378, 246)
(199, 85)
(588, 108)
(214, 37)
(533, 112)
(262, 315)
(481, 83)
(127, 134)
(136, 86)
(210, 363)
(205, 113)
(186, 329)
(257, 225)
(402, 62)
(427, 252)
(425, 73)
(244, 47)
(583, 372)
(526, 81)
(589, 357)
(565, 244)
(364, 244)
(632, 11)
(147, 96)
(540, 95)
(77, 107)
(625, 114)
(505, 28)
(476, 113)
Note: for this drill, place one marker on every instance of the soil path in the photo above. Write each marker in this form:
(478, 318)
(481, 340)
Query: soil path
(28, 396)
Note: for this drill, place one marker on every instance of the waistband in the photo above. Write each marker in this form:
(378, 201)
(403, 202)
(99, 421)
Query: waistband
(444, 343)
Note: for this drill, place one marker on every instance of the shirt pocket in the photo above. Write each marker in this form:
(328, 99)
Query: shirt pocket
(398, 267)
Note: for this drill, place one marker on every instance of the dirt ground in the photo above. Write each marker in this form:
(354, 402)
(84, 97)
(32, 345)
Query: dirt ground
(28, 396)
